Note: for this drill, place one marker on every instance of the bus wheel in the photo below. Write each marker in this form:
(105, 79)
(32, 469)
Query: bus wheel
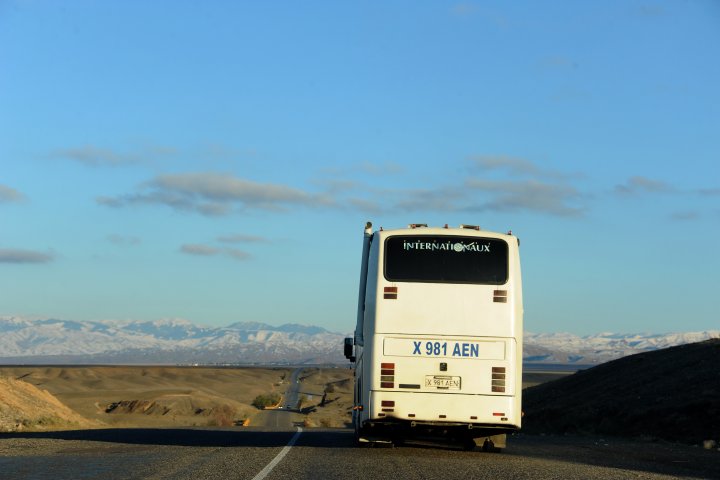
(489, 446)
(495, 444)
(469, 445)
(361, 438)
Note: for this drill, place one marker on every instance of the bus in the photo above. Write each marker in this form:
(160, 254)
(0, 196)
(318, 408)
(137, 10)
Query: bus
(437, 348)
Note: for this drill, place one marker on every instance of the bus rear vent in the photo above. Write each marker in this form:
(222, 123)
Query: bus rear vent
(498, 379)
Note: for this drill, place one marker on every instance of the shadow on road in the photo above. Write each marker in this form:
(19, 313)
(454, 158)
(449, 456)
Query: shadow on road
(200, 437)
(619, 455)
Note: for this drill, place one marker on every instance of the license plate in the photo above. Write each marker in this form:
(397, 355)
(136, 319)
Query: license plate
(442, 382)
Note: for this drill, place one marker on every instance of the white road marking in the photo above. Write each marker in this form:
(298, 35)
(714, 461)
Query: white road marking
(268, 468)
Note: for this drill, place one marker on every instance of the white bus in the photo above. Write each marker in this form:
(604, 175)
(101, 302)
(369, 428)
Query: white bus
(438, 342)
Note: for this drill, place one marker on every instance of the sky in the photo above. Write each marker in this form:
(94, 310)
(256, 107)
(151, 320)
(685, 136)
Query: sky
(217, 161)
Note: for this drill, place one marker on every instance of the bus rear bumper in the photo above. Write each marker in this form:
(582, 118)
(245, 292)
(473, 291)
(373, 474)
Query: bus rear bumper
(445, 409)
(468, 436)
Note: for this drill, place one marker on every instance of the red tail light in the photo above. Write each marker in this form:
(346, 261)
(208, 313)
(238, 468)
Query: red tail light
(387, 375)
(390, 293)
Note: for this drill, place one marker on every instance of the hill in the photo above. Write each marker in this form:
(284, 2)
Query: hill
(673, 394)
(24, 406)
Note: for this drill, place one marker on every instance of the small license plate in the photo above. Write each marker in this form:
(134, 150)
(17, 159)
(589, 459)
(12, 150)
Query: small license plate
(442, 382)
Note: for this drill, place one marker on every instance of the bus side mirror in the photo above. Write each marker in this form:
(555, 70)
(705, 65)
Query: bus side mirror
(348, 350)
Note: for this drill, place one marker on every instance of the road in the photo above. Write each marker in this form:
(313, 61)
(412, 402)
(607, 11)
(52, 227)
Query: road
(287, 415)
(242, 453)
(276, 446)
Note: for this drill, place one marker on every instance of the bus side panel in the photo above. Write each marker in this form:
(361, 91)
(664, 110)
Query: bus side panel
(365, 364)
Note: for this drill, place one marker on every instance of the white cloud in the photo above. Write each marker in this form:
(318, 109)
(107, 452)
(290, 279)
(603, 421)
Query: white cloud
(381, 169)
(558, 62)
(528, 195)
(118, 239)
(709, 191)
(198, 249)
(374, 207)
(214, 194)
(366, 168)
(210, 251)
(97, 156)
(91, 155)
(440, 199)
(10, 255)
(638, 184)
(237, 254)
(242, 238)
(515, 166)
(9, 194)
(685, 216)
(523, 186)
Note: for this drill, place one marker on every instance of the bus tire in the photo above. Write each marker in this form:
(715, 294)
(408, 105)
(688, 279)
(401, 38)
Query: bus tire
(492, 444)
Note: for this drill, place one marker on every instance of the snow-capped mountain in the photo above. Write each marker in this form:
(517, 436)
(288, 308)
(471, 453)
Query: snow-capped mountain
(24, 340)
(601, 347)
(163, 341)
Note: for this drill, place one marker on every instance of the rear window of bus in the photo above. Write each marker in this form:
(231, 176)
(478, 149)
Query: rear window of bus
(445, 259)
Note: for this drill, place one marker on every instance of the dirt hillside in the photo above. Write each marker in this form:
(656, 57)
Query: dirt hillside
(120, 396)
(327, 397)
(25, 407)
(673, 394)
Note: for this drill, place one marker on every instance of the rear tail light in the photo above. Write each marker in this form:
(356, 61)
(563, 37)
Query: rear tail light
(387, 375)
(390, 293)
(500, 296)
(498, 379)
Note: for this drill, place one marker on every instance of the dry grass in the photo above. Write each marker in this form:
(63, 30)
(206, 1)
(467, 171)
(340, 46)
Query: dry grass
(328, 397)
(154, 396)
(83, 397)
(25, 407)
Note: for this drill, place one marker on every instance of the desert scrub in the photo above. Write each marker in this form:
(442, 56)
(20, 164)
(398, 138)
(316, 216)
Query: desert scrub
(223, 416)
(263, 401)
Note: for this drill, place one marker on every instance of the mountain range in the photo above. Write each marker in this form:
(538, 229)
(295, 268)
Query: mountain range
(177, 341)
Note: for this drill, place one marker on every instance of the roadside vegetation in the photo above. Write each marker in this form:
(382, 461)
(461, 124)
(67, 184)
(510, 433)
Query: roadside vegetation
(261, 402)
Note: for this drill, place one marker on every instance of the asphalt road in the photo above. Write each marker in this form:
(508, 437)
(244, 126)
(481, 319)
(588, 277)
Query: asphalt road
(286, 416)
(277, 447)
(243, 453)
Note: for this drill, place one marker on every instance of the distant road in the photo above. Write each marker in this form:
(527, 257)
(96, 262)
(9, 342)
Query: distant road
(249, 453)
(287, 416)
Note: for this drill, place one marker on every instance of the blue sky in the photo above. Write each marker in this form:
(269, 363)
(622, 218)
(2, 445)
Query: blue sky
(216, 161)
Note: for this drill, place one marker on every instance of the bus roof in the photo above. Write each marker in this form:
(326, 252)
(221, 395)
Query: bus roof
(463, 230)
